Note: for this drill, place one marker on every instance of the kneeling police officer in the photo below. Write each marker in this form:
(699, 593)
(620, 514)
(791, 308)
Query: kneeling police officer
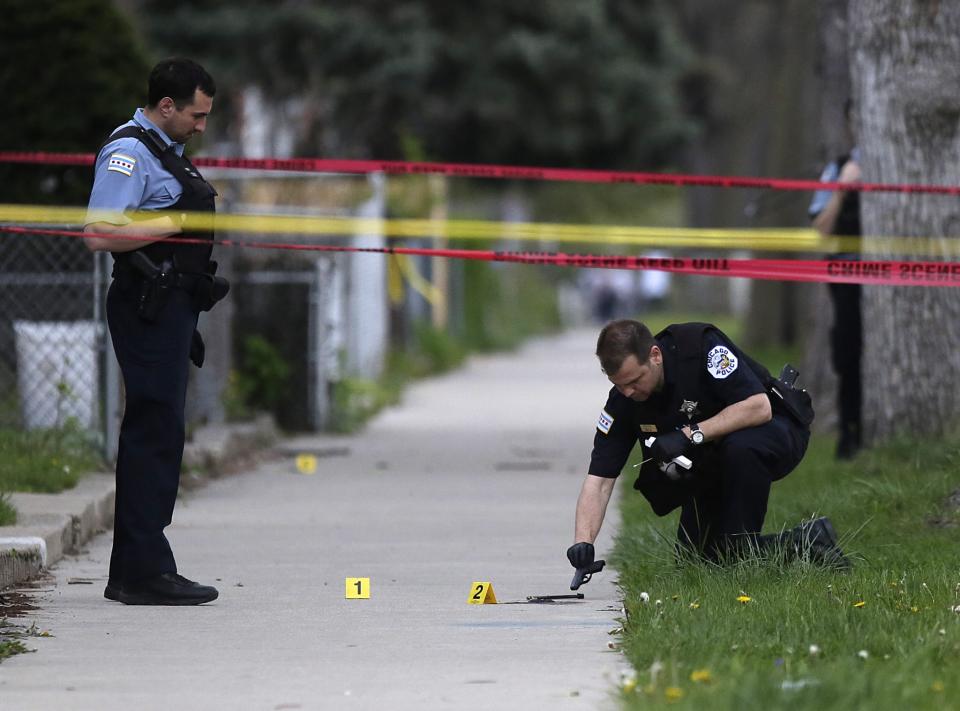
(717, 431)
(159, 288)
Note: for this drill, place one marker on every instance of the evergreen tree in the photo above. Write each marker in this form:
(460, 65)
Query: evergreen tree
(70, 72)
(545, 82)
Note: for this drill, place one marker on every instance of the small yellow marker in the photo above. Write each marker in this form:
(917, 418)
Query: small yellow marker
(358, 588)
(481, 593)
(306, 464)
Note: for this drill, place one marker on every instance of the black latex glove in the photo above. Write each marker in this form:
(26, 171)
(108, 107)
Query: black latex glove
(580, 554)
(669, 446)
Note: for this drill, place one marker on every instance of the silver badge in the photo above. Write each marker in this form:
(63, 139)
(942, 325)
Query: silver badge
(689, 408)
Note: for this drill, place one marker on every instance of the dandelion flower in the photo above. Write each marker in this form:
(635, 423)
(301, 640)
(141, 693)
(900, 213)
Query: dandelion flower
(859, 603)
(674, 597)
(644, 597)
(863, 654)
(629, 685)
(673, 693)
(694, 605)
(937, 686)
(744, 599)
(814, 650)
(701, 676)
(914, 608)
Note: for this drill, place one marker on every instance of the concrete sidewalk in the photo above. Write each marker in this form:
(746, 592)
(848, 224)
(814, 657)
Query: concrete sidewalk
(52, 525)
(473, 478)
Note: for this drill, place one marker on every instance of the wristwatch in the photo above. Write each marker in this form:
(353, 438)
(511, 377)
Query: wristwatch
(696, 436)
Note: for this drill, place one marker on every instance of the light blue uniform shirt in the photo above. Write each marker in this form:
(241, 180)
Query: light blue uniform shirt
(129, 177)
(829, 175)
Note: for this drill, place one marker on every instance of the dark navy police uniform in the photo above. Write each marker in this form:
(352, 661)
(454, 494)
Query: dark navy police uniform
(140, 168)
(727, 490)
(846, 335)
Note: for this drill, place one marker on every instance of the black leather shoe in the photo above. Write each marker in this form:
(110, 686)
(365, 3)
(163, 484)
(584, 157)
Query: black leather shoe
(112, 592)
(167, 589)
(818, 541)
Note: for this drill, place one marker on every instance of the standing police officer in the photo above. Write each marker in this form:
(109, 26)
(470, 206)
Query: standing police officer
(698, 396)
(838, 213)
(144, 186)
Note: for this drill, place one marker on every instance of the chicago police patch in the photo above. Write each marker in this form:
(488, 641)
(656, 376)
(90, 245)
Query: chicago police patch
(721, 362)
(605, 422)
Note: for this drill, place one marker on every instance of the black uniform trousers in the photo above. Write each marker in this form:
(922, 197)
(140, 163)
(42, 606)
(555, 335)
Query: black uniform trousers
(846, 347)
(730, 502)
(154, 360)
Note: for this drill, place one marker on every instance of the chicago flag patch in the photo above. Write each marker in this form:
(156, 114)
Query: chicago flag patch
(122, 163)
(605, 422)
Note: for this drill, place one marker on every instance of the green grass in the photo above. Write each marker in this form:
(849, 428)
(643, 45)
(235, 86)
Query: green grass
(8, 514)
(11, 647)
(888, 507)
(356, 400)
(44, 461)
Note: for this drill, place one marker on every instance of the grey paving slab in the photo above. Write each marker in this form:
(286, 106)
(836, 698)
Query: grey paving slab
(472, 478)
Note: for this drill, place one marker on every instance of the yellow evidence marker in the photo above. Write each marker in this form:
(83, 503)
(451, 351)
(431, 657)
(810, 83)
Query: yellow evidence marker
(481, 593)
(306, 464)
(358, 588)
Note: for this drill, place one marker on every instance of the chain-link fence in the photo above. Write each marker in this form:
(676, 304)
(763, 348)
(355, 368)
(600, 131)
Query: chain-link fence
(300, 334)
(52, 335)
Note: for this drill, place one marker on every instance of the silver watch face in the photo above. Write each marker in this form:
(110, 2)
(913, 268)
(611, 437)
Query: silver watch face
(697, 437)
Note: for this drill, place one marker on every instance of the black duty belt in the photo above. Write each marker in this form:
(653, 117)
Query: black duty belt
(155, 281)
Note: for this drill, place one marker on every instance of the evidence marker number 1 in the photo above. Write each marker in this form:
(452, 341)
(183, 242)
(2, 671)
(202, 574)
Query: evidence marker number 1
(357, 588)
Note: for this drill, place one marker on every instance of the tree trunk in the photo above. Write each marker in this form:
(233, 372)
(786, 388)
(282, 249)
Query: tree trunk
(906, 71)
(752, 92)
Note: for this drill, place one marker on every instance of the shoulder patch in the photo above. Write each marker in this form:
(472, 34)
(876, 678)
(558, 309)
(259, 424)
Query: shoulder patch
(721, 362)
(605, 422)
(122, 163)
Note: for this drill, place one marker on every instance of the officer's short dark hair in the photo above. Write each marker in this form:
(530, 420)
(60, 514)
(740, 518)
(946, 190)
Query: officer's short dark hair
(621, 339)
(179, 79)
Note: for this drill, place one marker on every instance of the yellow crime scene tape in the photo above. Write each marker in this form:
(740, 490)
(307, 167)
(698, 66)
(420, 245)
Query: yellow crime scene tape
(754, 239)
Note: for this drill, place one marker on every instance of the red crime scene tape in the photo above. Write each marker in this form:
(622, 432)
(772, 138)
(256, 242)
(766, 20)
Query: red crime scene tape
(503, 172)
(885, 272)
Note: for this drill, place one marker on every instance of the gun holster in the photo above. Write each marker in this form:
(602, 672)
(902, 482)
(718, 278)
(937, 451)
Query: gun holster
(788, 398)
(155, 285)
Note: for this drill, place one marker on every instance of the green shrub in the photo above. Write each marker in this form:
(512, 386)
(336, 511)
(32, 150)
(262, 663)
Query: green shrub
(263, 379)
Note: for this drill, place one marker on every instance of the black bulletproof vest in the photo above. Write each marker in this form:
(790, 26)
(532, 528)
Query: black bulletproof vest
(848, 219)
(198, 196)
(688, 399)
